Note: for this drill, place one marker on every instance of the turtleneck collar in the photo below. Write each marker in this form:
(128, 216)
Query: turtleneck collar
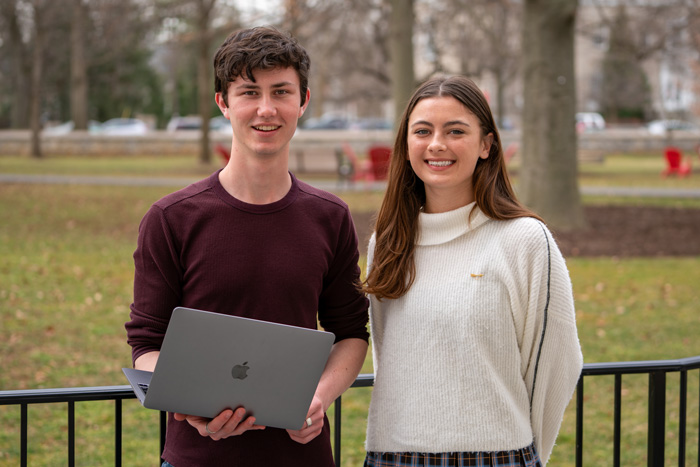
(443, 227)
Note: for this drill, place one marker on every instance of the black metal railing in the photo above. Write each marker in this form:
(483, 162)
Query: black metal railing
(656, 434)
(656, 425)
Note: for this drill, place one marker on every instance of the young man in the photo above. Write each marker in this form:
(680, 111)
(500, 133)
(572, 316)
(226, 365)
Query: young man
(253, 241)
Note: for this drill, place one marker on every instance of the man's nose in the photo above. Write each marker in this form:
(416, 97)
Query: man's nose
(267, 107)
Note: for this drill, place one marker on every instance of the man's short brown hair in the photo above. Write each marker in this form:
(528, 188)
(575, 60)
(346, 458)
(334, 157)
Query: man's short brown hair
(259, 48)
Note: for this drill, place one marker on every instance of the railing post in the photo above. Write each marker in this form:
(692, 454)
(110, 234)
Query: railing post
(71, 433)
(657, 418)
(24, 421)
(163, 429)
(336, 431)
(118, 432)
(579, 422)
(617, 421)
(682, 419)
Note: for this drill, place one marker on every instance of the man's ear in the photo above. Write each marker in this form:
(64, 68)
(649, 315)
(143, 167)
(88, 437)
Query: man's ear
(302, 109)
(219, 98)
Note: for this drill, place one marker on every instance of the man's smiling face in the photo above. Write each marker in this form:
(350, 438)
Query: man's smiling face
(263, 113)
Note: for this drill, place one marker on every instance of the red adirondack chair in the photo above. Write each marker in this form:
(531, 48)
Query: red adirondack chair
(379, 157)
(510, 152)
(675, 164)
(223, 153)
(350, 167)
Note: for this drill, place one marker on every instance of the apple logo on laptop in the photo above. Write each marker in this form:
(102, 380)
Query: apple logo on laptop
(240, 371)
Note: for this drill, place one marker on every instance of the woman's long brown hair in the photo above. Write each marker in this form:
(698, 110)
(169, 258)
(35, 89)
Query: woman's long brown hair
(393, 268)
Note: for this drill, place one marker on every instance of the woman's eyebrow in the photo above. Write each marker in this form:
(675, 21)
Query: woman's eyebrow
(446, 124)
(422, 122)
(456, 122)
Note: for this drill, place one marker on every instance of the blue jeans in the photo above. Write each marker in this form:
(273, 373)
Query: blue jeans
(167, 464)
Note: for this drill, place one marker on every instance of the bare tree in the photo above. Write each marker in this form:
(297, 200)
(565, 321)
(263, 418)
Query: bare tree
(41, 10)
(79, 82)
(320, 27)
(650, 24)
(361, 62)
(205, 10)
(401, 48)
(348, 44)
(199, 14)
(549, 173)
(625, 91)
(19, 60)
(482, 35)
(640, 37)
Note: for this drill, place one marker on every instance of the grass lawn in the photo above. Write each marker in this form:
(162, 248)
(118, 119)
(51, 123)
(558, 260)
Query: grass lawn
(65, 290)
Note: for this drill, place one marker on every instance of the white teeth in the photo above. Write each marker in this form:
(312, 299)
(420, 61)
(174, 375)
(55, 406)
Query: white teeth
(440, 163)
(266, 128)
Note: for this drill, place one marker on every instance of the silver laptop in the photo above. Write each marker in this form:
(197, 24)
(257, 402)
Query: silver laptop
(210, 362)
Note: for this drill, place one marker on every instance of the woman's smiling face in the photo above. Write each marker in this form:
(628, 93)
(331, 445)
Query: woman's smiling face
(444, 145)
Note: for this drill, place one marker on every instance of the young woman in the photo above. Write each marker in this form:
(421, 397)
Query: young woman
(476, 353)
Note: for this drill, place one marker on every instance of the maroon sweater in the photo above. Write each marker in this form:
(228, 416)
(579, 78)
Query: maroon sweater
(287, 262)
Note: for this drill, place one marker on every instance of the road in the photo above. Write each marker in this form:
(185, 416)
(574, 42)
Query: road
(329, 185)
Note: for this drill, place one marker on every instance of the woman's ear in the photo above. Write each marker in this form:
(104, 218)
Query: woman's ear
(486, 146)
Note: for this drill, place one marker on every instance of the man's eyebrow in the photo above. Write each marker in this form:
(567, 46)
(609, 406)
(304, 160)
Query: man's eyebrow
(250, 85)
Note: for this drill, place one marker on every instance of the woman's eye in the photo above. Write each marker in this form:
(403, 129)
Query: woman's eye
(421, 131)
(456, 131)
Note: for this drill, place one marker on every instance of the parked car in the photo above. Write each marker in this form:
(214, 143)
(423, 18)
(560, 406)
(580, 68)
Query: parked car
(123, 127)
(190, 122)
(371, 124)
(326, 123)
(589, 121)
(67, 127)
(220, 124)
(194, 122)
(660, 127)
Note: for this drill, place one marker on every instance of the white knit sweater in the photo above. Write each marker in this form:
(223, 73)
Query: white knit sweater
(455, 357)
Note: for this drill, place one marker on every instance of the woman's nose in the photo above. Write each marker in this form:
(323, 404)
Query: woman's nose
(436, 145)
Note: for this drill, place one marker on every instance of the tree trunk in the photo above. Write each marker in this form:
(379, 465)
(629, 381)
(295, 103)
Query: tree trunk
(204, 97)
(401, 47)
(549, 174)
(78, 67)
(20, 67)
(500, 96)
(204, 79)
(35, 94)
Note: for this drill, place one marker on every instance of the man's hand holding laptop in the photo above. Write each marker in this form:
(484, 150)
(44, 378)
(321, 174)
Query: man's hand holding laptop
(227, 423)
(313, 425)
